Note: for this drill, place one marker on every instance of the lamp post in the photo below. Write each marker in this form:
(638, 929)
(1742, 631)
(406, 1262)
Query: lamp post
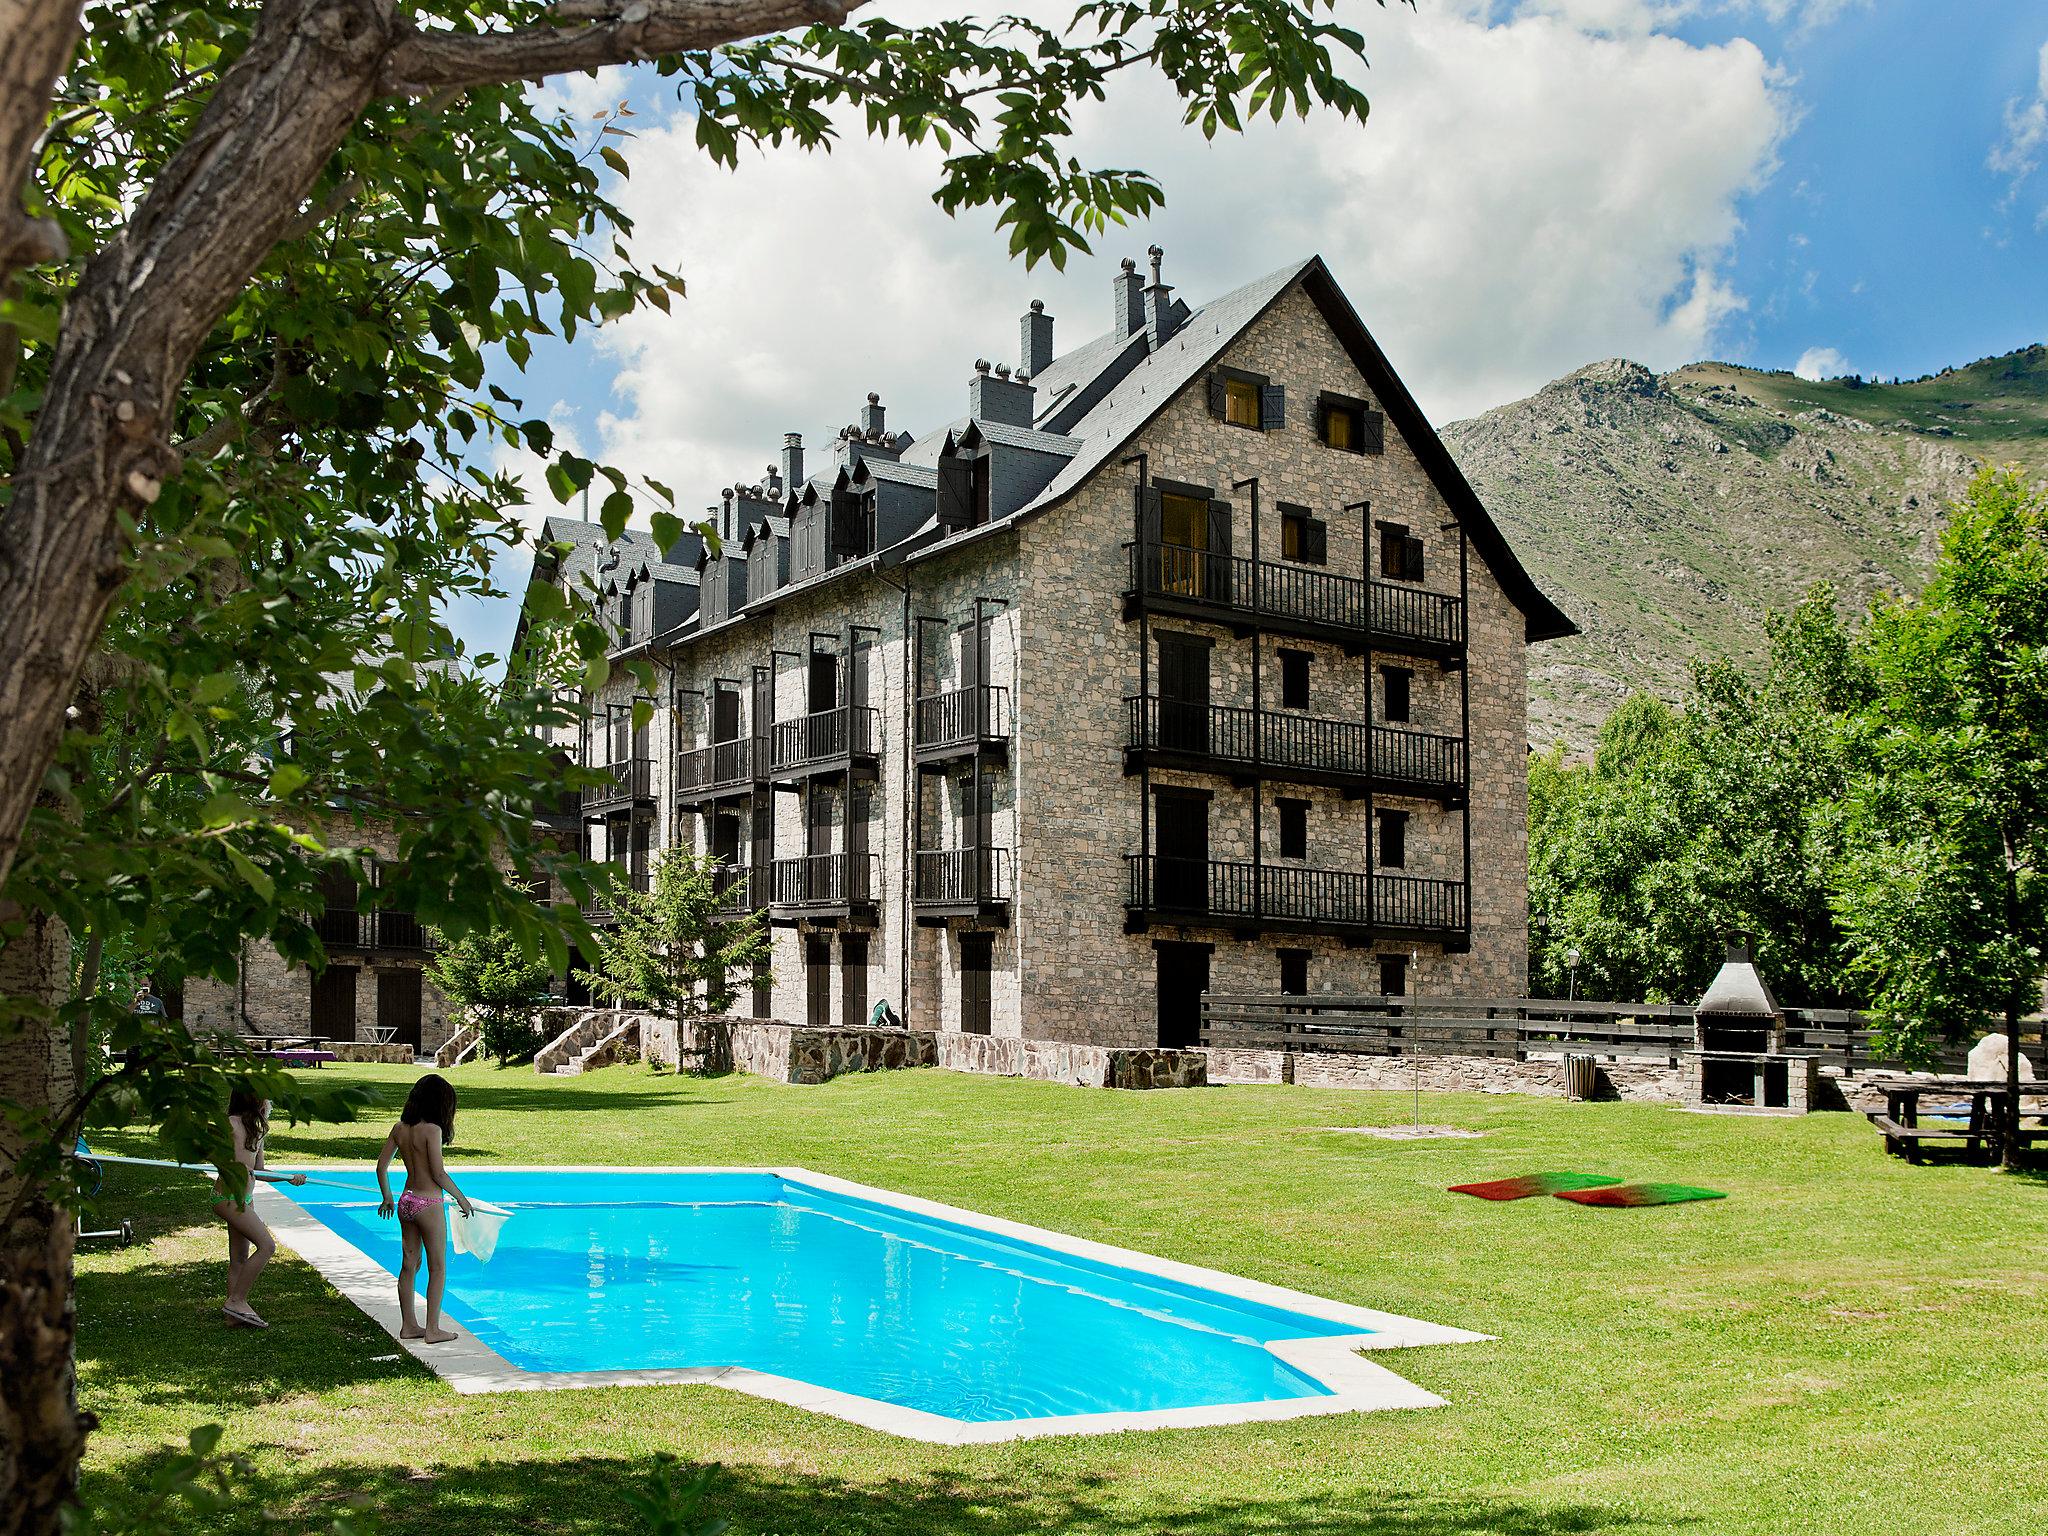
(1571, 966)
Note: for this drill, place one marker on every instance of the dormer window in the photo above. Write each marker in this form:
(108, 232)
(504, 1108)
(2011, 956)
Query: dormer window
(964, 482)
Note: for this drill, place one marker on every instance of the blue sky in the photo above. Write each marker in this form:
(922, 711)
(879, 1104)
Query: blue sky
(1847, 184)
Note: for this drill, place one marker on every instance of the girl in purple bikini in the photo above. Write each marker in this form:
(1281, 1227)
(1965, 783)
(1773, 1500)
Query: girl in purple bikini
(425, 1126)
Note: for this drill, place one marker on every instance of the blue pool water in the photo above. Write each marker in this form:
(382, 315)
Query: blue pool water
(640, 1271)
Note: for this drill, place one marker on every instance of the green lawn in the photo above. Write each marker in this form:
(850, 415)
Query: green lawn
(1846, 1344)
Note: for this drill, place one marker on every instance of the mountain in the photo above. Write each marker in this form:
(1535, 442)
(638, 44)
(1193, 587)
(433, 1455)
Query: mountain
(1667, 512)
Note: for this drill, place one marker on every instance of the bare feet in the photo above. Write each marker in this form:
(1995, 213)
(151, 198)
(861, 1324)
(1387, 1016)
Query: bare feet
(436, 1336)
(412, 1331)
(243, 1317)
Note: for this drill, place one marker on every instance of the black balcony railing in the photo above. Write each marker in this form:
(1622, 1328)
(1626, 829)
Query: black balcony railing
(1282, 742)
(825, 880)
(963, 717)
(628, 779)
(829, 737)
(961, 877)
(734, 886)
(1299, 595)
(340, 927)
(396, 930)
(1168, 887)
(722, 765)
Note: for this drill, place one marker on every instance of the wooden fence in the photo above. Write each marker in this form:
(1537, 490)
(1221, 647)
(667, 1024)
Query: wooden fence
(1517, 1028)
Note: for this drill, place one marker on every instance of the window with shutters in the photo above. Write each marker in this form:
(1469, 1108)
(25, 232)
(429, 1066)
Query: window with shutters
(1293, 828)
(1393, 851)
(1294, 679)
(1190, 531)
(1248, 400)
(1394, 687)
(1400, 553)
(1293, 971)
(1352, 425)
(1303, 539)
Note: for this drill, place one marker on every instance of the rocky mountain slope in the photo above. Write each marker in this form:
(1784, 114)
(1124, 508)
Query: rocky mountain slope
(1666, 513)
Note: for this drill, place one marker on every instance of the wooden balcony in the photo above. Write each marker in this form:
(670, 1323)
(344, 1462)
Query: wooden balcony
(1257, 897)
(349, 928)
(1251, 745)
(961, 723)
(1297, 600)
(961, 882)
(724, 770)
(630, 782)
(739, 893)
(823, 887)
(839, 740)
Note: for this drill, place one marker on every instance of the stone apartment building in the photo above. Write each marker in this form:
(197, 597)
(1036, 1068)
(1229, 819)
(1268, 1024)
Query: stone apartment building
(1182, 659)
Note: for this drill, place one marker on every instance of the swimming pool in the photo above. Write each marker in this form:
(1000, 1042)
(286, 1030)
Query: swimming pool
(908, 1316)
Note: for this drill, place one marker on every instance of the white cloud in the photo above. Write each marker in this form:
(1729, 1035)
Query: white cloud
(529, 469)
(1526, 196)
(1817, 363)
(2017, 155)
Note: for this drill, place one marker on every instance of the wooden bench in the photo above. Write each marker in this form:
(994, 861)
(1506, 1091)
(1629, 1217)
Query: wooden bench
(1903, 1140)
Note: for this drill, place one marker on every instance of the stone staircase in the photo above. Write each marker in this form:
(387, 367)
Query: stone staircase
(459, 1047)
(598, 1038)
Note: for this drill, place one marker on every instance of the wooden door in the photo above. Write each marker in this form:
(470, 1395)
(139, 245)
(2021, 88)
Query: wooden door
(1181, 839)
(1183, 694)
(398, 1005)
(333, 1009)
(1183, 976)
(853, 980)
(818, 982)
(725, 714)
(977, 971)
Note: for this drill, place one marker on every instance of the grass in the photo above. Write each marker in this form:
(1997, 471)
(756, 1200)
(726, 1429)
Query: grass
(1846, 1344)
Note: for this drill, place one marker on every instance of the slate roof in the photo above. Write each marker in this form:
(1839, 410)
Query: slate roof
(1092, 400)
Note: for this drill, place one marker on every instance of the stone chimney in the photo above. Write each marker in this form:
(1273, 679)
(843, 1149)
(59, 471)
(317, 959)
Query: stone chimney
(792, 460)
(1158, 304)
(1127, 317)
(871, 418)
(992, 395)
(1035, 350)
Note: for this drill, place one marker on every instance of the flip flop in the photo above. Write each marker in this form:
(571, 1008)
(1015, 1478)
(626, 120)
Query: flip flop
(243, 1319)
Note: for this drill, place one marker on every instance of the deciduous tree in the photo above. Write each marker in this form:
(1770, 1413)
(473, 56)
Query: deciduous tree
(253, 260)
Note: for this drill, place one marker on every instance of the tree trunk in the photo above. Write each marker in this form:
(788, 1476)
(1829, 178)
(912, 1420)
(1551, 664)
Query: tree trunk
(36, 39)
(42, 1431)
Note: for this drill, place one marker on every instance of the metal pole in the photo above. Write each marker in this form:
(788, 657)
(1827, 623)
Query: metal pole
(1144, 677)
(1372, 895)
(1258, 719)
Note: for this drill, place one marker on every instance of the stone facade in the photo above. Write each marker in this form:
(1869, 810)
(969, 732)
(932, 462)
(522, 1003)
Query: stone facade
(1545, 1078)
(272, 997)
(1057, 960)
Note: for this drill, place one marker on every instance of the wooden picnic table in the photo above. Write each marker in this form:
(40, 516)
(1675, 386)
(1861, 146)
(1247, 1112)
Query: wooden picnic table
(1984, 1135)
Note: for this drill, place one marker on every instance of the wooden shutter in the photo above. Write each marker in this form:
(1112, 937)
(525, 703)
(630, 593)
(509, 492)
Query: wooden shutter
(1219, 527)
(1315, 542)
(1218, 402)
(1150, 518)
(956, 492)
(1272, 407)
(1411, 558)
(1375, 431)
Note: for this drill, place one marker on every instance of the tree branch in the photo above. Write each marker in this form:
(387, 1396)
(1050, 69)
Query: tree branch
(36, 39)
(601, 32)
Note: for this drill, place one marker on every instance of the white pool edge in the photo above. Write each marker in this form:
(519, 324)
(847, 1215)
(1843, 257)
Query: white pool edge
(469, 1366)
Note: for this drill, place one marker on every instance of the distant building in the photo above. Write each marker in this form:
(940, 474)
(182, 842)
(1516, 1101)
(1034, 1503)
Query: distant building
(1183, 659)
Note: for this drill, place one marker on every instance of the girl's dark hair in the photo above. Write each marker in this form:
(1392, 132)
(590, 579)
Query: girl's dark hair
(246, 1105)
(432, 1099)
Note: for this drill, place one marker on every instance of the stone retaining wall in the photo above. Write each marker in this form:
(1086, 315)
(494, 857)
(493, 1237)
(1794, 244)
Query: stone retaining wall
(1643, 1081)
(364, 1051)
(787, 1053)
(1084, 1066)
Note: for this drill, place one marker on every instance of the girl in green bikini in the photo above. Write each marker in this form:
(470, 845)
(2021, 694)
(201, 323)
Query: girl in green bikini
(250, 1244)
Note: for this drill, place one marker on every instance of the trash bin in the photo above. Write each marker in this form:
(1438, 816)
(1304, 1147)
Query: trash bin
(1578, 1076)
